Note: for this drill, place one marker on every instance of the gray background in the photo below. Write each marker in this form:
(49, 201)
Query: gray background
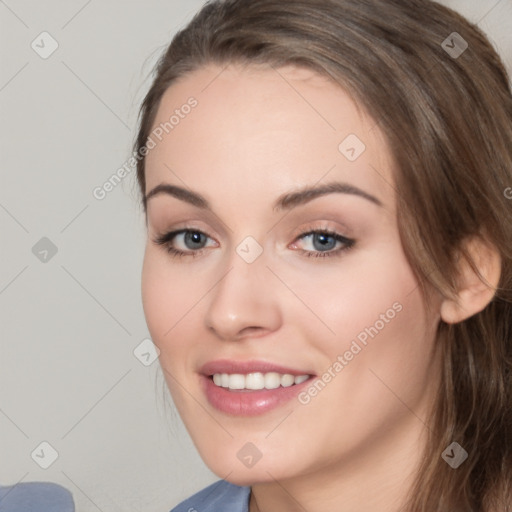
(69, 325)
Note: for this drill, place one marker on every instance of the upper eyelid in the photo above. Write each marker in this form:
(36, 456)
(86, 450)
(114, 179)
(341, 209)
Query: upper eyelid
(205, 217)
(324, 226)
(342, 229)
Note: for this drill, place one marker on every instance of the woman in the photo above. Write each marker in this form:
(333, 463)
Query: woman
(328, 269)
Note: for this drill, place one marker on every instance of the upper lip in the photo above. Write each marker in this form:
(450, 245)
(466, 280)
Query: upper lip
(245, 367)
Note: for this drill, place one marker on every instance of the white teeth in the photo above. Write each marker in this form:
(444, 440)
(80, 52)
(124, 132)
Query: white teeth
(272, 380)
(254, 381)
(288, 380)
(257, 380)
(236, 381)
(301, 378)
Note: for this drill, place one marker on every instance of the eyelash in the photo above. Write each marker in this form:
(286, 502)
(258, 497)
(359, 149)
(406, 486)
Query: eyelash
(166, 239)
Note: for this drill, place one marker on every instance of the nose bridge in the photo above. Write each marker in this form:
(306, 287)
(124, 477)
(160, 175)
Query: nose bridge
(242, 298)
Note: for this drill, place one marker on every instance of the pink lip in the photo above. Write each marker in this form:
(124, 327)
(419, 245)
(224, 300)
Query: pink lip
(245, 367)
(248, 402)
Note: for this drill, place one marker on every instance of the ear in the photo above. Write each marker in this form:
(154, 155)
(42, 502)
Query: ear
(476, 284)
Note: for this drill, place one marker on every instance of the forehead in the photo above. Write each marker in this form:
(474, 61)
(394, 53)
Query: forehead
(261, 129)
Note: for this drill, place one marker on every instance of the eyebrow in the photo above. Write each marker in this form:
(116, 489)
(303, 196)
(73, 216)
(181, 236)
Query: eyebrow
(285, 201)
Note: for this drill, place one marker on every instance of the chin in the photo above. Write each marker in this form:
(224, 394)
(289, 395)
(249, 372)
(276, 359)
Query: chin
(247, 477)
(262, 471)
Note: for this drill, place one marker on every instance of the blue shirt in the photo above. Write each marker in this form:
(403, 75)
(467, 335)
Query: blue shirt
(36, 497)
(220, 496)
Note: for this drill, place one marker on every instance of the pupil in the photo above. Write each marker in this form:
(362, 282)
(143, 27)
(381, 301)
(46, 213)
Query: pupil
(194, 238)
(324, 241)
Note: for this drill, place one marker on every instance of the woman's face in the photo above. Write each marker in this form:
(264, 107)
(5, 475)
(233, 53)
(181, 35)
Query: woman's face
(258, 293)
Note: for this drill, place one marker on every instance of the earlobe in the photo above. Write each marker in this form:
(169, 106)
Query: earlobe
(476, 284)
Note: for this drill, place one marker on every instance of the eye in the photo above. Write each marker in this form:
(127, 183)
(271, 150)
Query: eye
(192, 242)
(323, 243)
(183, 242)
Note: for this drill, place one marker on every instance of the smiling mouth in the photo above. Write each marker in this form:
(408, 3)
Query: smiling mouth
(257, 380)
(245, 389)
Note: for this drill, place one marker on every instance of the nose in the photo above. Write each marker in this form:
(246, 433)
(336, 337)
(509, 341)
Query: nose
(244, 302)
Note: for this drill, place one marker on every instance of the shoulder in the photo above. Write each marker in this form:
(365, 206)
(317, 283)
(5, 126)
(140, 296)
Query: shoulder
(220, 496)
(36, 497)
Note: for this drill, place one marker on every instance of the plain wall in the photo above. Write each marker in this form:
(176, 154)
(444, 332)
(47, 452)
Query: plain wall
(69, 325)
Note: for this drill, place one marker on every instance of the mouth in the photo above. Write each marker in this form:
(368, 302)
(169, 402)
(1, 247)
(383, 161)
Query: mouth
(251, 388)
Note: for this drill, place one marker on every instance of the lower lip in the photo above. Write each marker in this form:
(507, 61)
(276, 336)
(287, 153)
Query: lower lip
(247, 402)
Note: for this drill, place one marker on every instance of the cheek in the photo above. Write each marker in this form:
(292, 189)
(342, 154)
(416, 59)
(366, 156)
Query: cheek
(373, 324)
(164, 296)
(369, 295)
(172, 299)
(154, 298)
(381, 355)
(352, 294)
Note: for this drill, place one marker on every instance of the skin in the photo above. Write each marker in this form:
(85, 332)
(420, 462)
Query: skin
(258, 133)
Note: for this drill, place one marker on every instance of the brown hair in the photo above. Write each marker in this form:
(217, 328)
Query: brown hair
(448, 122)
